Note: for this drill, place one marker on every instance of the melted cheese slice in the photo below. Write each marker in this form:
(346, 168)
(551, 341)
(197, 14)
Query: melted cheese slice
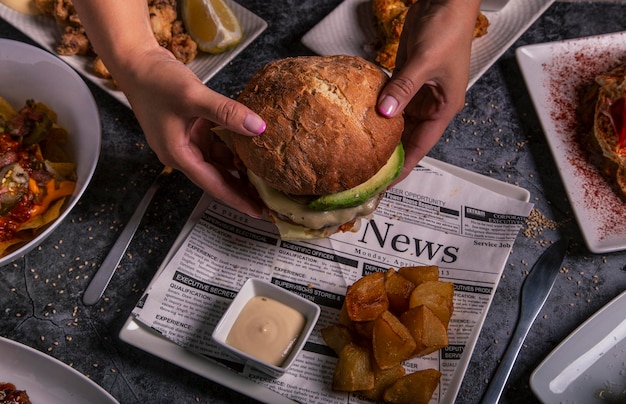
(323, 223)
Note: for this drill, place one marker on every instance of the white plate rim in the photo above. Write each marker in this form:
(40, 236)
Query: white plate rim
(30, 365)
(138, 335)
(602, 322)
(530, 59)
(44, 31)
(506, 26)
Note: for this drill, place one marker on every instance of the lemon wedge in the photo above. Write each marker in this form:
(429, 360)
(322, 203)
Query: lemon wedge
(212, 24)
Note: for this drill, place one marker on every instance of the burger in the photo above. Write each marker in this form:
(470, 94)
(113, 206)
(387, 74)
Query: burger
(609, 125)
(326, 155)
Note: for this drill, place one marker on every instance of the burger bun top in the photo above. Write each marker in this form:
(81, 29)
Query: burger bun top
(323, 132)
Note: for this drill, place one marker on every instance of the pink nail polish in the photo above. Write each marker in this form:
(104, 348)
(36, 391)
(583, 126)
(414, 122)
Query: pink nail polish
(388, 106)
(254, 124)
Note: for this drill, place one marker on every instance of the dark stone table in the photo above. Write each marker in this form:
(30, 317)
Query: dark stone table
(40, 294)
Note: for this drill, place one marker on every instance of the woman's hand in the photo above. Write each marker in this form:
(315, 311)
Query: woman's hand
(174, 108)
(432, 72)
(177, 111)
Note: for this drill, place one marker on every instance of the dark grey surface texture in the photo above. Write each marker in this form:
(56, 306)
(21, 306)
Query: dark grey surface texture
(40, 294)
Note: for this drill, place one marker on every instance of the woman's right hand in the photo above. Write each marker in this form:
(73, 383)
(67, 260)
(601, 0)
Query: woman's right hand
(177, 112)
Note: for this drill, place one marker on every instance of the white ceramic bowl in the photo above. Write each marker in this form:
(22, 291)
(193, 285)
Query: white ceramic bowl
(30, 72)
(250, 289)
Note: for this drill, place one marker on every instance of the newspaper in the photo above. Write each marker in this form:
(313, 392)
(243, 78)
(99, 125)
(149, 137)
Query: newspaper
(431, 218)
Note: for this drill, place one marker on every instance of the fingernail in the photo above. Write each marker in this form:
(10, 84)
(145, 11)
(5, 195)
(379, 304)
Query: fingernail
(388, 105)
(254, 124)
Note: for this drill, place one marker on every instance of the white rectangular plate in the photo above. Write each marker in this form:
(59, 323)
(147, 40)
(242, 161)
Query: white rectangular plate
(553, 73)
(46, 32)
(140, 336)
(592, 360)
(349, 30)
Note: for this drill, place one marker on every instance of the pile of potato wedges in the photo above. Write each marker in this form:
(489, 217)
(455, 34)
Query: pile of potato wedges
(386, 319)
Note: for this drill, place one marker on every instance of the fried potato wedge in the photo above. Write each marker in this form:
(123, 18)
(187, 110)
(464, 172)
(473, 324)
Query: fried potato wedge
(363, 330)
(366, 298)
(414, 388)
(336, 336)
(344, 318)
(392, 342)
(354, 370)
(437, 296)
(387, 318)
(383, 378)
(398, 290)
(420, 274)
(427, 330)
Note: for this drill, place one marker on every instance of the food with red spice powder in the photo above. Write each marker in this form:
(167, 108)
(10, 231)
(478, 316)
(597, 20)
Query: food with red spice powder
(569, 74)
(35, 173)
(9, 394)
(609, 128)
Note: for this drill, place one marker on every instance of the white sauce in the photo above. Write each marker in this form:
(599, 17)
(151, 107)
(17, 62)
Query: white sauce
(266, 329)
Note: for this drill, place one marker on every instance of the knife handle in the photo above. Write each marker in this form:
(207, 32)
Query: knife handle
(499, 379)
(103, 276)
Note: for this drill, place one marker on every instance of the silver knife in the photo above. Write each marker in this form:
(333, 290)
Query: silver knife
(103, 276)
(535, 291)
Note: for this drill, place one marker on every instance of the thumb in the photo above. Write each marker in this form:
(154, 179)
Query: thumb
(399, 91)
(233, 115)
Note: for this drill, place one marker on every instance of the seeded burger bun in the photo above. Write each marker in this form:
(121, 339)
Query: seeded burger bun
(326, 154)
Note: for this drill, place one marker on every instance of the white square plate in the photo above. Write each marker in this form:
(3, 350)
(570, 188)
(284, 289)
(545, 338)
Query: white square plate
(137, 334)
(592, 360)
(349, 30)
(46, 32)
(553, 73)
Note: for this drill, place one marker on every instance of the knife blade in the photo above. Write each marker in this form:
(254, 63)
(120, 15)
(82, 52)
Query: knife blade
(103, 276)
(534, 294)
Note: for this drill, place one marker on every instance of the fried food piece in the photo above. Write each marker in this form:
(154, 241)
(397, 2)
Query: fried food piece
(367, 298)
(354, 369)
(10, 394)
(168, 29)
(482, 25)
(372, 341)
(398, 290)
(426, 328)
(73, 41)
(389, 16)
(437, 296)
(184, 48)
(100, 69)
(414, 388)
(392, 342)
(65, 13)
(162, 16)
(420, 274)
(383, 378)
(45, 6)
(336, 337)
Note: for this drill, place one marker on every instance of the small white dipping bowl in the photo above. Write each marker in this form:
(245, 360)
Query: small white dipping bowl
(30, 72)
(250, 289)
